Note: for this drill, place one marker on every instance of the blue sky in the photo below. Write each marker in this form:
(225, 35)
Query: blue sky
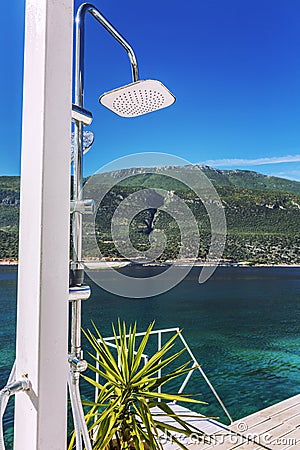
(233, 65)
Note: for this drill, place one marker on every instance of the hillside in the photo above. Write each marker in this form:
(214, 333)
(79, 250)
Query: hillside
(244, 179)
(262, 214)
(9, 216)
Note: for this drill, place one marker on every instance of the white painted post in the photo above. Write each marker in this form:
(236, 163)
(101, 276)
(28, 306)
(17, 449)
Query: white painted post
(42, 317)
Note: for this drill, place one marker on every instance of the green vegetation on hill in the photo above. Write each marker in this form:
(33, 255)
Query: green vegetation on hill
(10, 184)
(244, 179)
(262, 215)
(9, 216)
(262, 227)
(247, 179)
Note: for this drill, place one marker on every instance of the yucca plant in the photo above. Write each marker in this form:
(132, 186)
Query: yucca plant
(123, 412)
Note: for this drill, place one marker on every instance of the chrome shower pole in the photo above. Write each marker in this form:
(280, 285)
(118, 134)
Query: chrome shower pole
(77, 184)
(82, 117)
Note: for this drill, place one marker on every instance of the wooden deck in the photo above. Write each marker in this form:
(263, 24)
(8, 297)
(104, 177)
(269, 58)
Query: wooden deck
(274, 428)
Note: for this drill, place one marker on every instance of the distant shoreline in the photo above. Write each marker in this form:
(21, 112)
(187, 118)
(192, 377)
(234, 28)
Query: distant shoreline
(95, 265)
(8, 262)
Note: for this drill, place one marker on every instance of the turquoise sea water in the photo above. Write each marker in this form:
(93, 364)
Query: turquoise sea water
(243, 325)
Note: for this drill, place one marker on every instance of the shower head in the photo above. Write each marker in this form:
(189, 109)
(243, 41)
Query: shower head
(138, 98)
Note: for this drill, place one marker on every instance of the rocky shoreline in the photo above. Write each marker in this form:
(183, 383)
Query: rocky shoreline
(103, 264)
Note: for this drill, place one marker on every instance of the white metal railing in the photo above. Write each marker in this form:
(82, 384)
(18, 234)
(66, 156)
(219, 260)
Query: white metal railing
(196, 365)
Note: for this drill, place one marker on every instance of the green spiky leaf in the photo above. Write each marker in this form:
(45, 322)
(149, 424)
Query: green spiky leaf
(123, 409)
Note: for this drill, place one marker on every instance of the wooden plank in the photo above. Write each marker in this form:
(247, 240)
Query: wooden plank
(248, 423)
(278, 407)
(231, 442)
(280, 411)
(274, 428)
(203, 424)
(294, 411)
(294, 444)
(263, 427)
(287, 440)
(192, 443)
(263, 436)
(272, 423)
(259, 437)
(270, 438)
(276, 438)
(294, 421)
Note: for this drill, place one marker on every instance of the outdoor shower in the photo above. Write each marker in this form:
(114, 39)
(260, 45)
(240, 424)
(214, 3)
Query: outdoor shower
(135, 99)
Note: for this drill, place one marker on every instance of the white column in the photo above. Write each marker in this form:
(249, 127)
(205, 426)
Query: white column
(42, 317)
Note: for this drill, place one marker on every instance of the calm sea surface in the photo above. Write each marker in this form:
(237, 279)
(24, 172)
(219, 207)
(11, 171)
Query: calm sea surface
(243, 325)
